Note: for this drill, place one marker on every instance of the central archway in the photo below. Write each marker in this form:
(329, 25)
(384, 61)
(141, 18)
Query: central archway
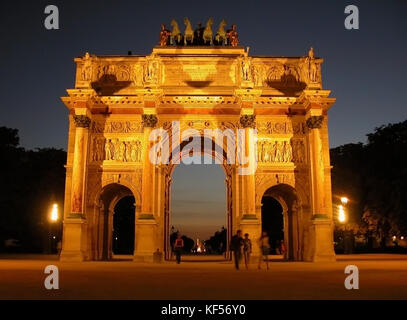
(219, 157)
(198, 209)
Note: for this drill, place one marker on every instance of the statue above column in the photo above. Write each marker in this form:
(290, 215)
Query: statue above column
(201, 36)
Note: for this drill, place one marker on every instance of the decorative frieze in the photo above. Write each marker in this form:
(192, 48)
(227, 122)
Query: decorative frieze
(275, 151)
(116, 150)
(280, 127)
(116, 127)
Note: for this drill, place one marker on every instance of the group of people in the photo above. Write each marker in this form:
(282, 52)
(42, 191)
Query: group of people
(243, 247)
(240, 247)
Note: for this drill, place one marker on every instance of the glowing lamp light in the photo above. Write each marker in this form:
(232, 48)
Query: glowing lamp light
(344, 200)
(54, 213)
(341, 216)
(394, 238)
(402, 238)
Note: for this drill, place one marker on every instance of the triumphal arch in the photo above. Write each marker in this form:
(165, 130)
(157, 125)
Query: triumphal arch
(123, 106)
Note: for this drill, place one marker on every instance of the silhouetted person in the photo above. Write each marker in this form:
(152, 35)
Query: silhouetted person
(236, 244)
(264, 244)
(247, 249)
(282, 247)
(59, 247)
(178, 245)
(348, 240)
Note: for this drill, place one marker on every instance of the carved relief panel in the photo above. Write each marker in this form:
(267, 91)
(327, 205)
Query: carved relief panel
(116, 149)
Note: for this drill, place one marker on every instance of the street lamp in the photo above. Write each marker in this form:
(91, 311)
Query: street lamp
(54, 213)
(53, 218)
(342, 215)
(344, 200)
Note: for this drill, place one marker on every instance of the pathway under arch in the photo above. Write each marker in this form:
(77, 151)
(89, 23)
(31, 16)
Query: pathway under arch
(109, 197)
(286, 197)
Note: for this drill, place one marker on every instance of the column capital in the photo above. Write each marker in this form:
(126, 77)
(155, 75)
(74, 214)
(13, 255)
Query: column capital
(315, 122)
(248, 121)
(81, 121)
(149, 120)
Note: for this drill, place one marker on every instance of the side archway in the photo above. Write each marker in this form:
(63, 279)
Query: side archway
(287, 198)
(108, 199)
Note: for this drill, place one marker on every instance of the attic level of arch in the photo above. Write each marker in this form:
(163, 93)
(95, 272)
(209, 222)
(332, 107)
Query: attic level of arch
(202, 71)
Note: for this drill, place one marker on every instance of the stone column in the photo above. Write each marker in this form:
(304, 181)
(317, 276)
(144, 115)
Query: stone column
(250, 223)
(248, 123)
(73, 248)
(321, 234)
(149, 122)
(145, 222)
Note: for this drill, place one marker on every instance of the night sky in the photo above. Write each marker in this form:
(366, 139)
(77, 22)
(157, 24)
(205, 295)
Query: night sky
(365, 68)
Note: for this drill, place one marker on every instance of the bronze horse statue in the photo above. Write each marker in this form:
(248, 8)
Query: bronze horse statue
(176, 36)
(207, 34)
(220, 37)
(189, 32)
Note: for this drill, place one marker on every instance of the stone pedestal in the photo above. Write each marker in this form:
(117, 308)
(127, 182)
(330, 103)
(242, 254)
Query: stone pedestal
(73, 246)
(252, 225)
(321, 239)
(145, 245)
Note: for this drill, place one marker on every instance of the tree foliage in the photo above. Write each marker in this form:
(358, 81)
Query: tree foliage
(374, 177)
(30, 181)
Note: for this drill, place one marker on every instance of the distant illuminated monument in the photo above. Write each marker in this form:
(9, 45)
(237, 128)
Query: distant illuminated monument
(204, 80)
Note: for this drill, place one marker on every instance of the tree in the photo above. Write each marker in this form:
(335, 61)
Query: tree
(30, 181)
(374, 177)
(217, 243)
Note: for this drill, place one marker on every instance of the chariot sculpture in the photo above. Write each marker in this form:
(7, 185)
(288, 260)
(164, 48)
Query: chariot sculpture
(201, 36)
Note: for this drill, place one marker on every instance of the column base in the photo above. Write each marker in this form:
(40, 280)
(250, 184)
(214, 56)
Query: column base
(74, 242)
(143, 257)
(251, 224)
(321, 240)
(145, 238)
(72, 256)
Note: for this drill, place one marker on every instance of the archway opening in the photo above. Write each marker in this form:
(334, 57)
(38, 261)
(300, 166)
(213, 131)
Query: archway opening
(123, 226)
(280, 208)
(273, 223)
(115, 219)
(198, 208)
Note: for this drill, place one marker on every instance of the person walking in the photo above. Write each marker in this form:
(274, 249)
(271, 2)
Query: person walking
(264, 243)
(178, 246)
(247, 249)
(236, 244)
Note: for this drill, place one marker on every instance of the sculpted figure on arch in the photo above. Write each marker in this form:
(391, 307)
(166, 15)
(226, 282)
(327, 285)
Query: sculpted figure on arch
(220, 37)
(87, 67)
(164, 36)
(233, 39)
(312, 66)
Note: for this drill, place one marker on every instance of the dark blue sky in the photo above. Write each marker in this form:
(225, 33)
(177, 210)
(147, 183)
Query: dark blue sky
(365, 69)
(198, 199)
